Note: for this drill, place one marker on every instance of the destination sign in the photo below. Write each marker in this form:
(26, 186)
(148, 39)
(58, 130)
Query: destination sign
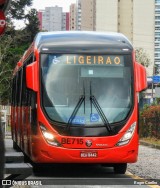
(114, 60)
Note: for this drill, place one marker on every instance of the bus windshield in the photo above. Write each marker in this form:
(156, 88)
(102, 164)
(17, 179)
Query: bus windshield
(69, 79)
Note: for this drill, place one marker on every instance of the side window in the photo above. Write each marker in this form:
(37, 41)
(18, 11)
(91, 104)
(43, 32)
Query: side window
(28, 97)
(19, 86)
(16, 90)
(29, 92)
(21, 95)
(26, 93)
(13, 91)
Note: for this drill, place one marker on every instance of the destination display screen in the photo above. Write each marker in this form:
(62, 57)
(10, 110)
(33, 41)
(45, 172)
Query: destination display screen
(112, 60)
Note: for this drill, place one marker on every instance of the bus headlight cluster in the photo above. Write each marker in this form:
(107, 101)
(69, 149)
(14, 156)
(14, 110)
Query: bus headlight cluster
(127, 136)
(49, 137)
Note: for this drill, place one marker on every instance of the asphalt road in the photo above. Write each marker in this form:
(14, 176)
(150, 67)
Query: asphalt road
(148, 164)
(83, 176)
(77, 176)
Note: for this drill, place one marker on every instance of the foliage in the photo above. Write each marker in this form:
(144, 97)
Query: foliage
(142, 57)
(152, 140)
(158, 100)
(11, 49)
(14, 43)
(17, 9)
(32, 27)
(5, 67)
(150, 121)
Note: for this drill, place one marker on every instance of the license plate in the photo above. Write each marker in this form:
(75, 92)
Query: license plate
(89, 154)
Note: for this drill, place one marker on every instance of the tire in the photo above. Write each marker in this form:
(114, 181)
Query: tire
(26, 158)
(120, 168)
(37, 168)
(15, 146)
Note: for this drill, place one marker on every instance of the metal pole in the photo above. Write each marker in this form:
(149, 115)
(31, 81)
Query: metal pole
(1, 149)
(152, 81)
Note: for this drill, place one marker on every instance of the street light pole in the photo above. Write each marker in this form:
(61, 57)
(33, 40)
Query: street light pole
(1, 149)
(152, 82)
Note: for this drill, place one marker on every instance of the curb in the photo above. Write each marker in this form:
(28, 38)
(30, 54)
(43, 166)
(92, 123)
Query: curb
(134, 176)
(8, 137)
(149, 145)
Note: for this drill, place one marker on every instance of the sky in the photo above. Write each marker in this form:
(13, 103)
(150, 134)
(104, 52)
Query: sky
(41, 4)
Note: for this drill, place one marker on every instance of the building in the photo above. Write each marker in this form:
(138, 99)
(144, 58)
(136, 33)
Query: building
(78, 16)
(107, 15)
(40, 19)
(73, 17)
(157, 34)
(51, 19)
(65, 21)
(87, 15)
(143, 28)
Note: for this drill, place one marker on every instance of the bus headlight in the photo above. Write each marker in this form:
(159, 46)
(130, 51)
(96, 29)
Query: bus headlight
(49, 137)
(127, 136)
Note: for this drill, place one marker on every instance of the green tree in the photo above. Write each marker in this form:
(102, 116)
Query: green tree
(142, 57)
(32, 24)
(14, 43)
(5, 67)
(17, 9)
(12, 47)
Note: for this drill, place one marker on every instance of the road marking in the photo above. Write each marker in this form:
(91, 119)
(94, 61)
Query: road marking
(139, 178)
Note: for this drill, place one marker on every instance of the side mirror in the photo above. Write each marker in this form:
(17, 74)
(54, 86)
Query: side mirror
(141, 77)
(32, 76)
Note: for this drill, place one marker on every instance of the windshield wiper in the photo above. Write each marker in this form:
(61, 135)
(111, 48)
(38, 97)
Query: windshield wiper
(80, 101)
(99, 110)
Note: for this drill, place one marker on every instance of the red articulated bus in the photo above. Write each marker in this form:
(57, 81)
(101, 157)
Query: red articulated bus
(75, 99)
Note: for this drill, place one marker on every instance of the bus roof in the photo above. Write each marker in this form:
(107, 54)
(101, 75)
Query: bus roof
(71, 41)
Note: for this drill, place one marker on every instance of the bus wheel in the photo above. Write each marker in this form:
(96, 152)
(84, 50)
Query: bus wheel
(26, 158)
(120, 168)
(37, 168)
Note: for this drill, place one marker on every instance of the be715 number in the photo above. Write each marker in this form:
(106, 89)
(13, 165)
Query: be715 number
(72, 141)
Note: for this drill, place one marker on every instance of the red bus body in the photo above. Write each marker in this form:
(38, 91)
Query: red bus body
(27, 133)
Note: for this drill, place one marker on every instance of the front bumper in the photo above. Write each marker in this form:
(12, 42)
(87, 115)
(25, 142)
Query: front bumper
(45, 153)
